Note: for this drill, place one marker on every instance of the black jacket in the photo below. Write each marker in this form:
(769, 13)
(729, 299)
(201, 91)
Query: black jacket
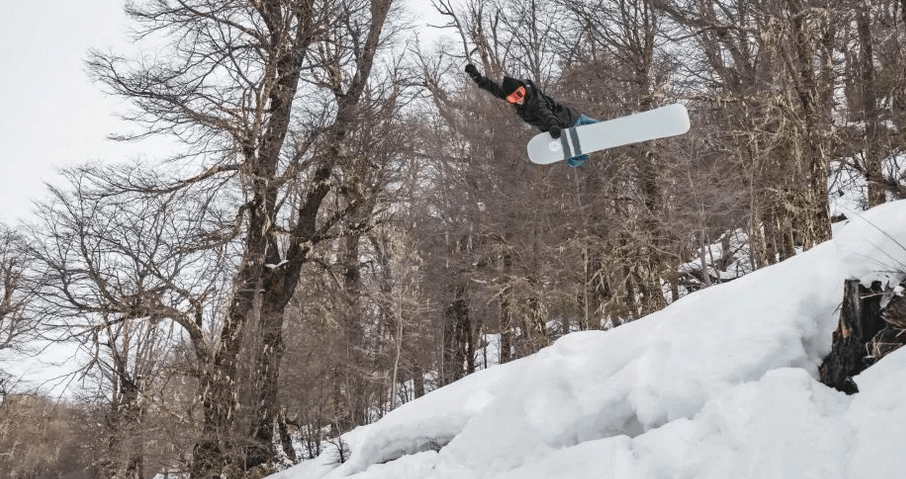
(539, 110)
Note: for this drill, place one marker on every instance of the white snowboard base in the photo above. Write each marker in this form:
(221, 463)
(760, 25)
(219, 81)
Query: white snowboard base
(670, 120)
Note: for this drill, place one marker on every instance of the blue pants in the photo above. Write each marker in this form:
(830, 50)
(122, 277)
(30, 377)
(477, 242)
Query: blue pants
(577, 161)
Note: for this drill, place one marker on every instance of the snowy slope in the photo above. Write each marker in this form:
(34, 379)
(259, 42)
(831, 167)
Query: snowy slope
(720, 384)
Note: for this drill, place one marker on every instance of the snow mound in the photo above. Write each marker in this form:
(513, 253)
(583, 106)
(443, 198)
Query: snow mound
(720, 384)
(869, 244)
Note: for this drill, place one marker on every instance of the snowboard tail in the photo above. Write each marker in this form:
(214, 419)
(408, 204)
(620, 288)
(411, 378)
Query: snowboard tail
(670, 120)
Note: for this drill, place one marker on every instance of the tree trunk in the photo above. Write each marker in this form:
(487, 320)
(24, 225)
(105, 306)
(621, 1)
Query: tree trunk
(419, 380)
(534, 325)
(212, 451)
(286, 440)
(813, 224)
(870, 114)
(506, 333)
(457, 335)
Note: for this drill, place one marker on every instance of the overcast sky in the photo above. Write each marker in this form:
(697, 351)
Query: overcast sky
(51, 115)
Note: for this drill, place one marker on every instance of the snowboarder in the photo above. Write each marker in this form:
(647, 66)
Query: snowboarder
(534, 107)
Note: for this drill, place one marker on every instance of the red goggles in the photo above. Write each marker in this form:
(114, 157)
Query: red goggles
(517, 95)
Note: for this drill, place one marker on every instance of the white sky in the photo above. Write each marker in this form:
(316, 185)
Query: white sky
(52, 116)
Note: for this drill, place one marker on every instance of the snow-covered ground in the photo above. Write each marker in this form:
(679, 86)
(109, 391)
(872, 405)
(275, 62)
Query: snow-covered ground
(721, 384)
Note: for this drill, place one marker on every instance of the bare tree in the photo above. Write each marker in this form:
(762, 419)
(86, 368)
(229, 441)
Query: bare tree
(16, 324)
(119, 278)
(230, 92)
(770, 69)
(873, 52)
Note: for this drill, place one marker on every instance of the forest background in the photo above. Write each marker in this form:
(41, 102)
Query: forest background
(350, 222)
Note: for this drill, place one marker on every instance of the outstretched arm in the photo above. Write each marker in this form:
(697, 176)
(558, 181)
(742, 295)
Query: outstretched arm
(483, 81)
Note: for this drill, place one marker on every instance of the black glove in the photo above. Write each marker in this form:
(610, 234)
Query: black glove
(473, 72)
(554, 131)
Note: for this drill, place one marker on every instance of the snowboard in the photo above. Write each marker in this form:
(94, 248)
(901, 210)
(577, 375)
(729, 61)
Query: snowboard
(661, 122)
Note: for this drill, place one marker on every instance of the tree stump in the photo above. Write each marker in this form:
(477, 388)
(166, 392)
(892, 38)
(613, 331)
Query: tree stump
(860, 321)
